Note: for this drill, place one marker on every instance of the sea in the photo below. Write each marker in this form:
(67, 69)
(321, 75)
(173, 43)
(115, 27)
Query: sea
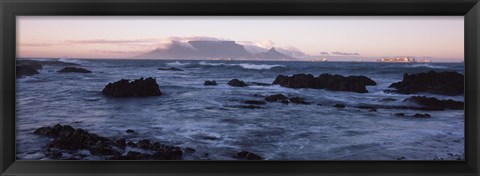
(207, 118)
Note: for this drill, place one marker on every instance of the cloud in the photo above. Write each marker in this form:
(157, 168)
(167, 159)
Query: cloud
(104, 41)
(345, 53)
(120, 51)
(37, 44)
(324, 53)
(291, 51)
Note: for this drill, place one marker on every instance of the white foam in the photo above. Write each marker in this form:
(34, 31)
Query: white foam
(75, 61)
(244, 65)
(176, 63)
(427, 66)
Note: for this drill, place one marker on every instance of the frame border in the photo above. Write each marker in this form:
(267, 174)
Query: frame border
(470, 9)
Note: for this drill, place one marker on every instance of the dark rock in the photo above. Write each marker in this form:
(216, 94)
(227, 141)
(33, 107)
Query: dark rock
(170, 69)
(255, 102)
(325, 81)
(236, 83)
(443, 83)
(190, 150)
(339, 105)
(210, 83)
(121, 143)
(209, 138)
(55, 154)
(389, 99)
(33, 64)
(298, 100)
(400, 114)
(71, 139)
(130, 131)
(258, 84)
(418, 115)
(74, 70)
(278, 98)
(247, 156)
(363, 80)
(433, 103)
(25, 70)
(246, 106)
(295, 81)
(137, 88)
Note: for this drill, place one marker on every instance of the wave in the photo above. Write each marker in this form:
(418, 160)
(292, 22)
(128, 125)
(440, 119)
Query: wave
(75, 61)
(243, 65)
(426, 66)
(176, 63)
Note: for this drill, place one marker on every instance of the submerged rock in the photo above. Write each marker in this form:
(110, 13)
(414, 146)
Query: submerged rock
(277, 98)
(433, 103)
(298, 100)
(443, 83)
(418, 115)
(137, 88)
(170, 69)
(210, 83)
(74, 70)
(237, 83)
(255, 102)
(70, 139)
(339, 105)
(25, 70)
(326, 81)
(33, 64)
(247, 156)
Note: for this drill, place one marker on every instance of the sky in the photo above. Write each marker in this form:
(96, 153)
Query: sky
(439, 38)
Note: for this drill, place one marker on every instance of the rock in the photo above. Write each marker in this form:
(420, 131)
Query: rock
(170, 69)
(255, 102)
(258, 84)
(33, 64)
(54, 154)
(74, 70)
(236, 83)
(210, 83)
(443, 83)
(433, 103)
(121, 143)
(295, 81)
(130, 131)
(25, 70)
(389, 99)
(278, 98)
(400, 114)
(137, 88)
(247, 156)
(246, 106)
(341, 83)
(339, 105)
(71, 139)
(325, 81)
(298, 100)
(189, 150)
(418, 115)
(369, 107)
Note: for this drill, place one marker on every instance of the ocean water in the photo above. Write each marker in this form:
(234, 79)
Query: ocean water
(188, 113)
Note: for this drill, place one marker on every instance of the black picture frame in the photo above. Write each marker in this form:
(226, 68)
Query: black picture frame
(9, 9)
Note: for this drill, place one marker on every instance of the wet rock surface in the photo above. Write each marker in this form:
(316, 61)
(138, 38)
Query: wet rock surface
(170, 69)
(245, 155)
(25, 70)
(137, 88)
(326, 81)
(210, 83)
(237, 83)
(277, 98)
(67, 138)
(74, 70)
(443, 83)
(434, 103)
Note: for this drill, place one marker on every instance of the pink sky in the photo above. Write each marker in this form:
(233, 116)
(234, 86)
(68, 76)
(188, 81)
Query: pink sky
(440, 38)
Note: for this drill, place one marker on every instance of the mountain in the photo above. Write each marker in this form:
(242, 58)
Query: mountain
(211, 50)
(273, 54)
